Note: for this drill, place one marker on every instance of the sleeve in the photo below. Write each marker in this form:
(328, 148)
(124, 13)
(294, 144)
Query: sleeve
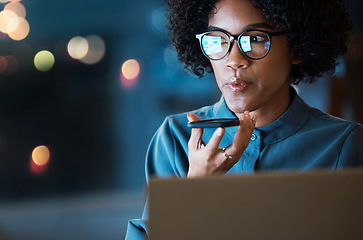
(166, 157)
(136, 230)
(351, 154)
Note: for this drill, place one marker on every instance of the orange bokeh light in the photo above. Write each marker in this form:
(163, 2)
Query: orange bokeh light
(130, 69)
(41, 155)
(21, 31)
(8, 18)
(17, 8)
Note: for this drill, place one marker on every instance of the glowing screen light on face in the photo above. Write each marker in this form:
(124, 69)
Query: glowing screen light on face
(130, 70)
(246, 43)
(44, 61)
(212, 44)
(267, 45)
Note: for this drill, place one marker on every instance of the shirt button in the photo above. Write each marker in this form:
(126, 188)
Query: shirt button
(253, 137)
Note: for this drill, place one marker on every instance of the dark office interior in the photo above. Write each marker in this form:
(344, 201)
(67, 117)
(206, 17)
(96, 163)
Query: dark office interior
(96, 121)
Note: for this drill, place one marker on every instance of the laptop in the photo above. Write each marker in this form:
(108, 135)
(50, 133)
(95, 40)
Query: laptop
(292, 206)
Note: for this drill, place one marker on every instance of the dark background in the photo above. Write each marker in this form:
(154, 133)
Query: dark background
(96, 128)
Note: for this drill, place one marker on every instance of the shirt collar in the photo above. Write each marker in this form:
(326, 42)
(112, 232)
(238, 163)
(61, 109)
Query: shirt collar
(290, 122)
(222, 111)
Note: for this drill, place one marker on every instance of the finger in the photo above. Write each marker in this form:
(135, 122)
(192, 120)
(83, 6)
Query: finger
(192, 117)
(213, 143)
(244, 115)
(254, 119)
(250, 120)
(195, 140)
(243, 134)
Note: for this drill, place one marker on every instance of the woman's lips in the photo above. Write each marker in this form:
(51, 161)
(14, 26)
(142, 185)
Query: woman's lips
(238, 85)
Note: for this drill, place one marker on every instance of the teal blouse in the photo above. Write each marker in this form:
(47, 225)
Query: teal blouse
(302, 139)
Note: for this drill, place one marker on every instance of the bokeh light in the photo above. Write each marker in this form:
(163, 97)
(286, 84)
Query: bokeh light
(17, 8)
(12, 25)
(21, 31)
(41, 155)
(130, 70)
(96, 50)
(78, 47)
(8, 20)
(13, 65)
(171, 58)
(44, 60)
(159, 22)
(3, 65)
(13, 22)
(8, 65)
(39, 160)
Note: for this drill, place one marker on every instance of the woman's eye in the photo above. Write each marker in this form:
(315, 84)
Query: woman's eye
(224, 41)
(258, 39)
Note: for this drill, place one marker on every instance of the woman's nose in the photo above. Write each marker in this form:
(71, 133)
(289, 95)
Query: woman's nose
(236, 59)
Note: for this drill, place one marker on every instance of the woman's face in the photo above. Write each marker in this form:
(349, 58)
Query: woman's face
(259, 86)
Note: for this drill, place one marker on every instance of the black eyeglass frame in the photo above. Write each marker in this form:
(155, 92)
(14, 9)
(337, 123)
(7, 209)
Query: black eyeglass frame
(238, 37)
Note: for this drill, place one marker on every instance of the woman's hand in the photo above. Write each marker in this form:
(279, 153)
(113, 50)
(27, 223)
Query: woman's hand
(209, 159)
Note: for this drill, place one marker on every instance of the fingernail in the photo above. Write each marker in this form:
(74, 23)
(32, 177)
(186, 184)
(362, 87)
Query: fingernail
(188, 116)
(220, 131)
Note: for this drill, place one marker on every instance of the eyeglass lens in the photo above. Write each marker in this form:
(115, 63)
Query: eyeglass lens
(254, 44)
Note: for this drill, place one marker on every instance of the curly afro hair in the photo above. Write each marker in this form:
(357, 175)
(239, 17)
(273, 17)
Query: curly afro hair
(317, 30)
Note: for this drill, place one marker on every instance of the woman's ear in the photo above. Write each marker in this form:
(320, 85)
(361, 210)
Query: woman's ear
(293, 59)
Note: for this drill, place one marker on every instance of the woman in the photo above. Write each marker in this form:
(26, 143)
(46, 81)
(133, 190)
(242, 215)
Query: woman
(256, 51)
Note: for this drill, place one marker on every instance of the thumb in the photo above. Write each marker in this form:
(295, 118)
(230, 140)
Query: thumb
(192, 117)
(195, 140)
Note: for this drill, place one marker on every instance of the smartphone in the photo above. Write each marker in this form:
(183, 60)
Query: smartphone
(214, 123)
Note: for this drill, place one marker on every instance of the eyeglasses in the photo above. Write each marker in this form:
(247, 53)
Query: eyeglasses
(255, 44)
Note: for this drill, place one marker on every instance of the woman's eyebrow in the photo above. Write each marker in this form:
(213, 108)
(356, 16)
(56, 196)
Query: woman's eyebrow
(258, 26)
(214, 28)
(247, 27)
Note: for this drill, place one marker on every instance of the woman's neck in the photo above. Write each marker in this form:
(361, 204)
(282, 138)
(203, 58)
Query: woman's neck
(271, 111)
